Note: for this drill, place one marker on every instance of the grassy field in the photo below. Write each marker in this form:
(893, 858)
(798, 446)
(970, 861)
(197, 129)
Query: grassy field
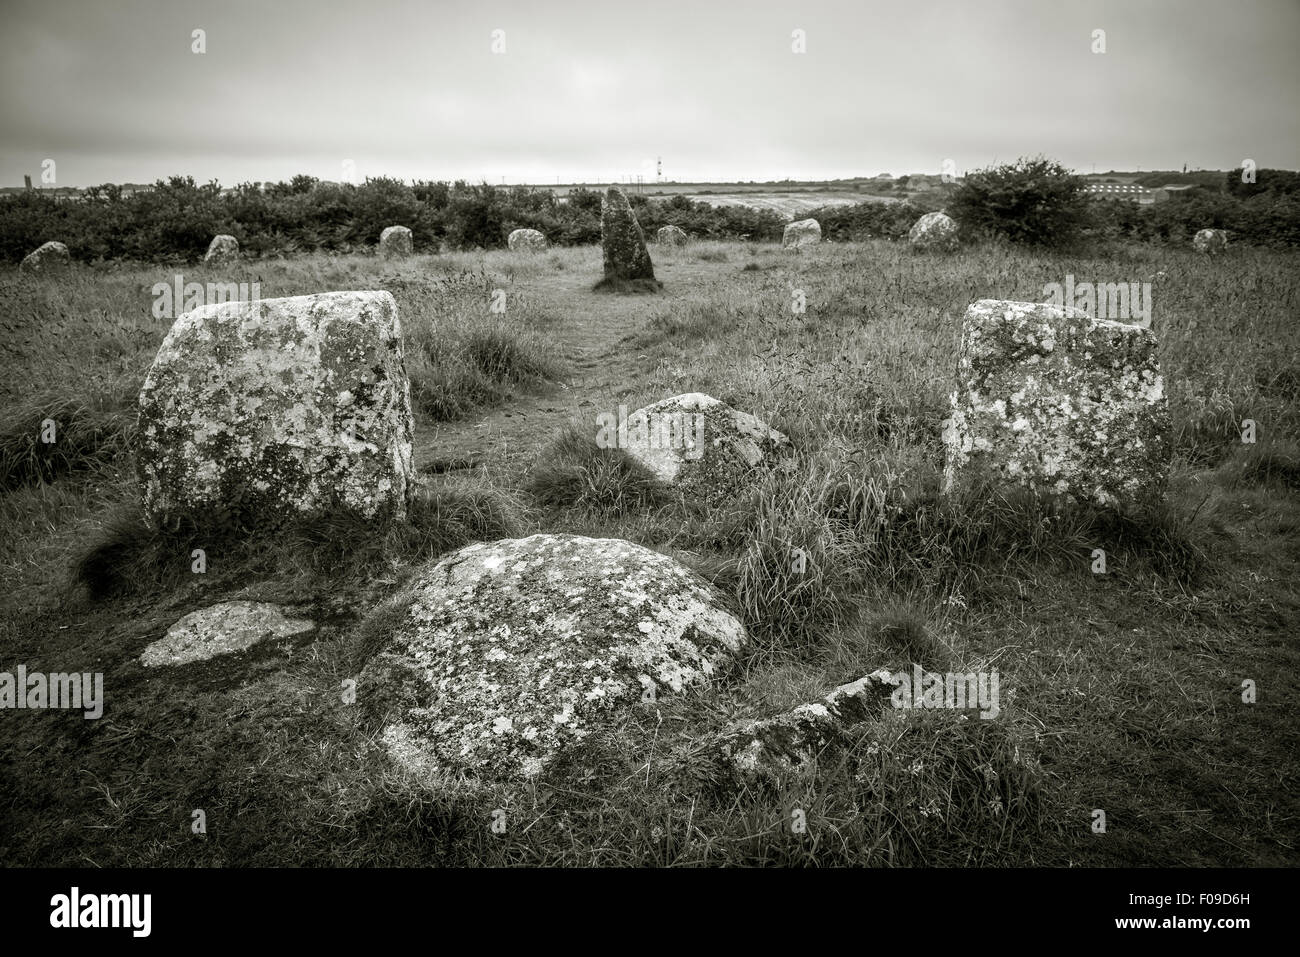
(1120, 691)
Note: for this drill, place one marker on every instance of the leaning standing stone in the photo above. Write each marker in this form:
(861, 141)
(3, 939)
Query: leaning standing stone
(805, 232)
(278, 407)
(526, 239)
(395, 242)
(627, 261)
(222, 250)
(47, 257)
(1058, 402)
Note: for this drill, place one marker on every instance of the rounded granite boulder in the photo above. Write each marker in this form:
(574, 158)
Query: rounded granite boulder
(804, 232)
(505, 655)
(526, 240)
(395, 242)
(48, 257)
(222, 250)
(934, 231)
(671, 236)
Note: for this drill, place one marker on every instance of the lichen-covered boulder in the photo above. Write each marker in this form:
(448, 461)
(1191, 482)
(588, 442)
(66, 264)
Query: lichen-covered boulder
(48, 257)
(627, 261)
(278, 407)
(790, 744)
(221, 629)
(503, 656)
(1210, 241)
(697, 443)
(804, 232)
(222, 250)
(1059, 402)
(528, 240)
(395, 242)
(934, 231)
(671, 236)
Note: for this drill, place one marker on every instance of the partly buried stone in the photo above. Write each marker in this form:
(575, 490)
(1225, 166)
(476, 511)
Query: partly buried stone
(671, 236)
(222, 250)
(627, 261)
(47, 257)
(395, 242)
(278, 407)
(804, 232)
(1210, 241)
(528, 240)
(934, 231)
(695, 442)
(503, 656)
(221, 629)
(1059, 402)
(791, 743)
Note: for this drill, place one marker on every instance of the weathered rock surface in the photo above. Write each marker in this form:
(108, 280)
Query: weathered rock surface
(47, 257)
(1059, 402)
(626, 258)
(221, 629)
(503, 655)
(790, 744)
(804, 232)
(934, 231)
(279, 407)
(395, 242)
(1210, 241)
(698, 443)
(526, 239)
(671, 236)
(222, 250)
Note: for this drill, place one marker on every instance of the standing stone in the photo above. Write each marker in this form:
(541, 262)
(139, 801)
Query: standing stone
(671, 236)
(529, 240)
(1056, 401)
(1210, 241)
(627, 261)
(697, 443)
(48, 257)
(805, 232)
(934, 231)
(278, 407)
(222, 250)
(505, 655)
(395, 242)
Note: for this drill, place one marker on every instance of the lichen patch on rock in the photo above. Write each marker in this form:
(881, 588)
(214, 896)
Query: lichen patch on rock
(221, 629)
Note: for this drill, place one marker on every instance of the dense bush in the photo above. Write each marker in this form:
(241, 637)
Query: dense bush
(178, 218)
(1032, 201)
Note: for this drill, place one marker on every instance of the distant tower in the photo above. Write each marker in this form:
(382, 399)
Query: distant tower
(27, 181)
(659, 171)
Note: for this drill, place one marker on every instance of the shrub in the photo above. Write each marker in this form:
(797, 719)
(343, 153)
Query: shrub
(1032, 201)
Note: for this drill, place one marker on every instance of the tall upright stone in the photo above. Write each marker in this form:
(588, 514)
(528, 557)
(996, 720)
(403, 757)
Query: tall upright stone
(277, 408)
(222, 251)
(627, 261)
(395, 242)
(1054, 400)
(804, 232)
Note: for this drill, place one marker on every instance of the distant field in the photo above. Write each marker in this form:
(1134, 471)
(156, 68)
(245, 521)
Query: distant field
(790, 204)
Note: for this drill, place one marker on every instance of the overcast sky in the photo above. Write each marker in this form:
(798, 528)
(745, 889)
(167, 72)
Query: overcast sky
(596, 91)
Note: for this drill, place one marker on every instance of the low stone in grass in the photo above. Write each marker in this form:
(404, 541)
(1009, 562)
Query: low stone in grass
(935, 231)
(221, 629)
(1210, 241)
(48, 257)
(395, 242)
(503, 656)
(804, 232)
(1058, 402)
(627, 261)
(671, 236)
(222, 251)
(694, 442)
(526, 240)
(276, 408)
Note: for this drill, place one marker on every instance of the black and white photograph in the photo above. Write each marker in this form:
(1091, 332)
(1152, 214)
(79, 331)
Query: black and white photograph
(593, 438)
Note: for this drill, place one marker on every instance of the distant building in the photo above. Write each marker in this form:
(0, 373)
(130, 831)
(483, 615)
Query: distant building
(1129, 192)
